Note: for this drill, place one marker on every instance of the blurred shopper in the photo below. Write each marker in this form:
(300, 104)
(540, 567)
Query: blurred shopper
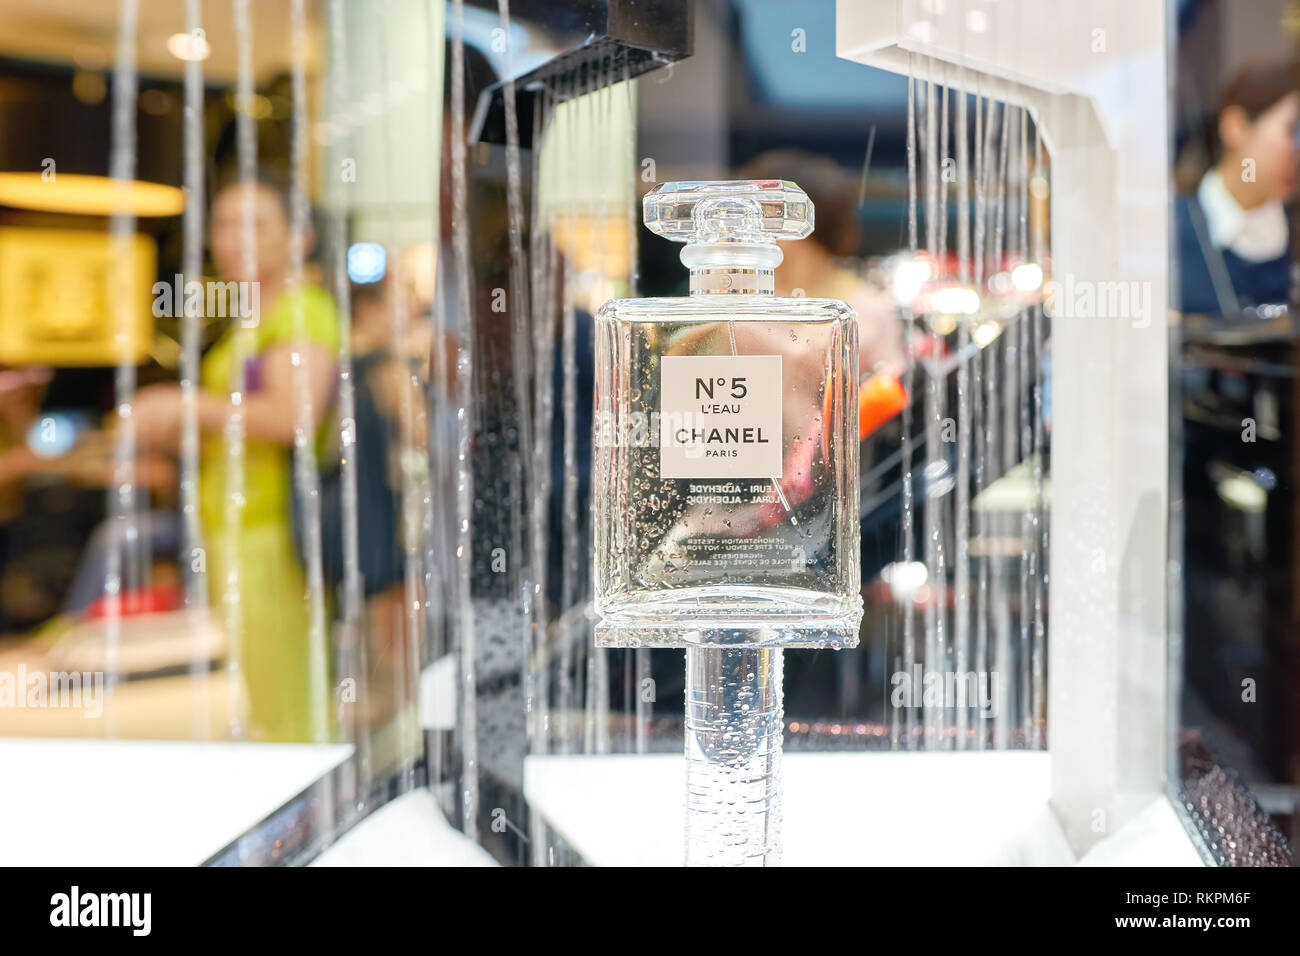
(296, 326)
(1234, 233)
(815, 265)
(54, 464)
(21, 390)
(383, 395)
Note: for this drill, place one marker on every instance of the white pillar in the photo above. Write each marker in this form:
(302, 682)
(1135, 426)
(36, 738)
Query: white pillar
(1095, 76)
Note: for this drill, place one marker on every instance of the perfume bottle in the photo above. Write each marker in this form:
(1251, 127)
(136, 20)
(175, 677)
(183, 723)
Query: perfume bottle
(726, 440)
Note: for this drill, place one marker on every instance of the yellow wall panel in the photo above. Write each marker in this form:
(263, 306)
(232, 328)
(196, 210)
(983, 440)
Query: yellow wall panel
(65, 295)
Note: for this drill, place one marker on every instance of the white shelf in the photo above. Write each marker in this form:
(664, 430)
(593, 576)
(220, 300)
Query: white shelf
(144, 803)
(409, 831)
(885, 809)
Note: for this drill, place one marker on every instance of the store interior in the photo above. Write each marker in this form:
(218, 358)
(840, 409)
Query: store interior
(301, 474)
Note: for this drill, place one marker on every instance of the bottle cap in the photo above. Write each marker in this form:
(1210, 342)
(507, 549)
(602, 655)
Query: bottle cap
(746, 211)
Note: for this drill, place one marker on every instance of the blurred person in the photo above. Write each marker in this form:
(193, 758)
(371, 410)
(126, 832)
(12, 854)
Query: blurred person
(298, 325)
(46, 454)
(813, 265)
(1234, 232)
(381, 370)
(21, 390)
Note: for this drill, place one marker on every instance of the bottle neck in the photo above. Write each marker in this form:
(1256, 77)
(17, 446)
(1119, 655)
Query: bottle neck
(732, 268)
(732, 282)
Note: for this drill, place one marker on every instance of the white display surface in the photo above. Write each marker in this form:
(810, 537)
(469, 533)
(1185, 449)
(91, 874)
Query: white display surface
(409, 831)
(143, 803)
(880, 809)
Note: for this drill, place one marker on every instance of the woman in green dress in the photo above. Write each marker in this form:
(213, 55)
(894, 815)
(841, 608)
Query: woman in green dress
(294, 341)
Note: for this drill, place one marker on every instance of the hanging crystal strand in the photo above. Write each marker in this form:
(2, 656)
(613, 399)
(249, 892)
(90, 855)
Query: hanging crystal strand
(983, 130)
(464, 425)
(1024, 397)
(306, 476)
(611, 220)
(595, 656)
(610, 181)
(420, 512)
(644, 699)
(571, 692)
(961, 605)
(644, 680)
(559, 225)
(628, 717)
(933, 716)
(406, 656)
(987, 398)
(354, 645)
(944, 157)
(520, 372)
(434, 531)
(242, 346)
(121, 504)
(1038, 571)
(930, 518)
(600, 655)
(563, 635)
(629, 86)
(909, 628)
(1011, 352)
(596, 237)
(610, 216)
(552, 297)
(994, 404)
(1010, 339)
(1009, 439)
(192, 555)
(428, 459)
(1010, 398)
(542, 298)
(942, 503)
(573, 522)
(543, 412)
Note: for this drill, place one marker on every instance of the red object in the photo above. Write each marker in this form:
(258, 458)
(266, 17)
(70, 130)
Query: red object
(151, 600)
(880, 398)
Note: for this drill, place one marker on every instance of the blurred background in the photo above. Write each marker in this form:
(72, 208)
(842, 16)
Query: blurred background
(243, 375)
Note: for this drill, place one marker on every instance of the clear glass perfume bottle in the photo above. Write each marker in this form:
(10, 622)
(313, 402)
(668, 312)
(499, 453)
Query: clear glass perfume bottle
(726, 437)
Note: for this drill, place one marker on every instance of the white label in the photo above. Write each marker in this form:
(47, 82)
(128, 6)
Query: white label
(720, 416)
